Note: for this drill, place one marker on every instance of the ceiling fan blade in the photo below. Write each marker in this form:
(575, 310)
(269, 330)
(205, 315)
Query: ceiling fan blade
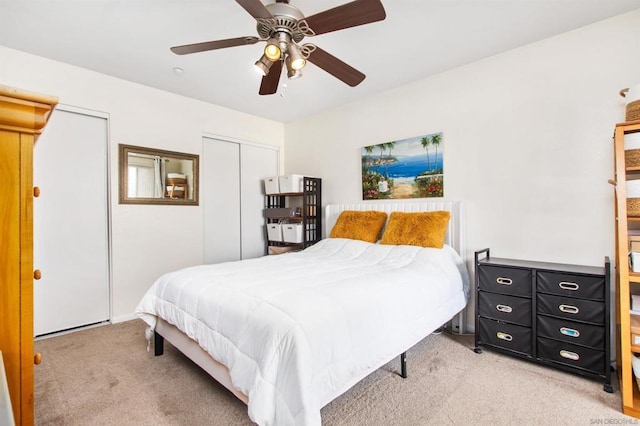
(336, 67)
(358, 12)
(212, 45)
(269, 84)
(255, 9)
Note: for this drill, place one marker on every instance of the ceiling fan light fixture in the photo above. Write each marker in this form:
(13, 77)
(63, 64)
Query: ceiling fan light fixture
(292, 73)
(277, 45)
(272, 51)
(295, 57)
(263, 65)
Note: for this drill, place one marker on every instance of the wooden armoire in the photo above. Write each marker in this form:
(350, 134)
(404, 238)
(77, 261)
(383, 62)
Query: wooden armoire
(23, 116)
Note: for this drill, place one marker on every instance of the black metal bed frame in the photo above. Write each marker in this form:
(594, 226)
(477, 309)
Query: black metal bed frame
(158, 349)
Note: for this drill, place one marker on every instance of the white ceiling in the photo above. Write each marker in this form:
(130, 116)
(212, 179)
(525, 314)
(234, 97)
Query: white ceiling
(130, 39)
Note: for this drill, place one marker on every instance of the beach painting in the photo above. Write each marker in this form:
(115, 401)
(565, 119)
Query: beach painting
(408, 168)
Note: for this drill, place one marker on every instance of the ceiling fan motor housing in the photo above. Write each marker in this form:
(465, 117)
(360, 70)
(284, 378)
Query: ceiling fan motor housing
(285, 19)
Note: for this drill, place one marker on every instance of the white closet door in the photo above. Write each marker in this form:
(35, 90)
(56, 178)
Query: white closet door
(220, 194)
(70, 220)
(256, 163)
(233, 198)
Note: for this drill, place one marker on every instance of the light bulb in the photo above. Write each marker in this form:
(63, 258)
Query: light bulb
(272, 52)
(295, 57)
(298, 63)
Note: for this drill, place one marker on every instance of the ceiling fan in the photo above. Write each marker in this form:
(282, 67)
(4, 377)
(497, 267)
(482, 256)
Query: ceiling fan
(283, 26)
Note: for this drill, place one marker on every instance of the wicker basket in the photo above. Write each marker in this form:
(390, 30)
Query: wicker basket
(633, 111)
(633, 207)
(632, 157)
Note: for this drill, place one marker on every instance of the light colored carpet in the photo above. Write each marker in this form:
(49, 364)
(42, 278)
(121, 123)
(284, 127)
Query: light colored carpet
(105, 376)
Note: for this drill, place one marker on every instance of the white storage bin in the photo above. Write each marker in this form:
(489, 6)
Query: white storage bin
(632, 141)
(271, 185)
(292, 232)
(633, 188)
(274, 232)
(635, 366)
(290, 183)
(634, 262)
(635, 302)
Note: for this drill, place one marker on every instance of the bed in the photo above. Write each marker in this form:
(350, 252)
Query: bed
(287, 334)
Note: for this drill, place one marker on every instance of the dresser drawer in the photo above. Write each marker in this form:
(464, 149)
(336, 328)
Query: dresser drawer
(571, 355)
(498, 279)
(573, 332)
(501, 307)
(573, 309)
(562, 284)
(507, 336)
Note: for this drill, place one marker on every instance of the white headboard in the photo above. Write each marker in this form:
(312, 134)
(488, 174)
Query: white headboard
(455, 233)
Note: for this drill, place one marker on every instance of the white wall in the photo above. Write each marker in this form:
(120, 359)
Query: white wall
(146, 240)
(527, 139)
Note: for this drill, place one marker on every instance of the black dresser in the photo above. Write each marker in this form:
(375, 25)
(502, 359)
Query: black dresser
(554, 314)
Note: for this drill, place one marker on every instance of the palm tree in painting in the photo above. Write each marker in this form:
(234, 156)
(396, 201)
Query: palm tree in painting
(382, 147)
(426, 141)
(389, 146)
(369, 150)
(436, 140)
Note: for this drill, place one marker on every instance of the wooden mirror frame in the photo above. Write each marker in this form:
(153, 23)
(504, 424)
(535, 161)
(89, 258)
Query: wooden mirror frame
(123, 166)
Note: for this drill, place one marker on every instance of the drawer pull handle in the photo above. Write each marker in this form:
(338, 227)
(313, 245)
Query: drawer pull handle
(504, 308)
(569, 332)
(504, 281)
(569, 309)
(504, 336)
(569, 355)
(566, 285)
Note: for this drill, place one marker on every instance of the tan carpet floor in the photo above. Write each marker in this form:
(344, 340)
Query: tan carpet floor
(105, 376)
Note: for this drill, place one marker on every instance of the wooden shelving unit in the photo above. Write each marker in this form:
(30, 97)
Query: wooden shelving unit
(627, 282)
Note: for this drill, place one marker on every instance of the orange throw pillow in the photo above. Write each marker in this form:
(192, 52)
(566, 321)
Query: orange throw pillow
(359, 225)
(425, 229)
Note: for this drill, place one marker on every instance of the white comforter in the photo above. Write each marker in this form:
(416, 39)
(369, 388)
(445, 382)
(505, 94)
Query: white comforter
(297, 330)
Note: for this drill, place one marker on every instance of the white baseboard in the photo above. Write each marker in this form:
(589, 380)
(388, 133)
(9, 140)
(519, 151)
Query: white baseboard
(123, 318)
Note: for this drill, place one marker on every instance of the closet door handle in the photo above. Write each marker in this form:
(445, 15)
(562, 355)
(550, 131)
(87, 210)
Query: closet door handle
(36, 191)
(504, 308)
(567, 285)
(569, 309)
(37, 274)
(504, 281)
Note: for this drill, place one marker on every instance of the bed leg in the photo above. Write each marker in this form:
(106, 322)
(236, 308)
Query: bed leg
(403, 365)
(158, 344)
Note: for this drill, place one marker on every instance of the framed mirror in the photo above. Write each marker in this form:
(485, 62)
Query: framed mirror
(154, 176)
